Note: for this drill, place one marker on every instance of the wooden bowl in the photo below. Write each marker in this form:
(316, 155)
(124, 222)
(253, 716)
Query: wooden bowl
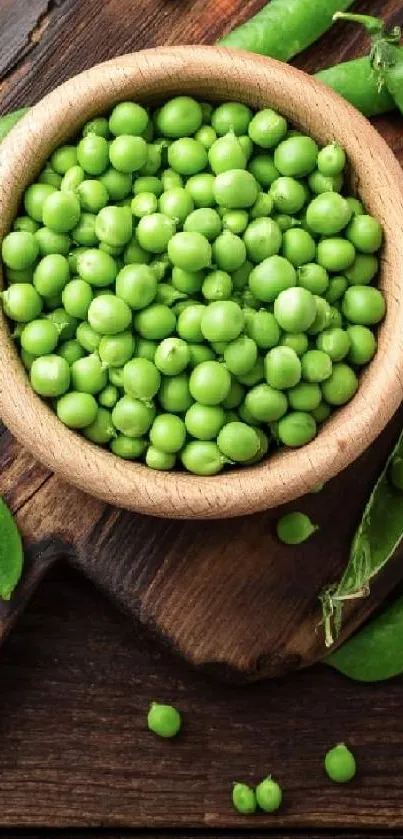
(213, 74)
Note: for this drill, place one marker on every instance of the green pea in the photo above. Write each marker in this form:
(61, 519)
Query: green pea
(335, 289)
(363, 269)
(328, 213)
(174, 394)
(282, 368)
(263, 169)
(322, 412)
(262, 239)
(365, 233)
(128, 118)
(39, 337)
(172, 356)
(202, 457)
(204, 421)
(362, 344)
(363, 305)
(235, 189)
(340, 764)
(114, 225)
(117, 184)
(222, 320)
(269, 795)
(88, 374)
(231, 117)
(238, 441)
(296, 429)
(115, 350)
(305, 396)
(265, 403)
(209, 383)
(295, 309)
(205, 221)
(155, 322)
(226, 153)
(335, 342)
(129, 448)
(87, 337)
(267, 128)
(71, 350)
(98, 126)
(206, 136)
(180, 117)
(316, 366)
(162, 461)
(319, 183)
(335, 254)
(168, 433)
(341, 385)
(21, 302)
(201, 188)
(76, 410)
(108, 396)
(19, 250)
(229, 252)
(50, 375)
(148, 183)
(243, 799)
(132, 417)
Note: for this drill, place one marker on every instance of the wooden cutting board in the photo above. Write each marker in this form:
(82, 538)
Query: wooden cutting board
(225, 594)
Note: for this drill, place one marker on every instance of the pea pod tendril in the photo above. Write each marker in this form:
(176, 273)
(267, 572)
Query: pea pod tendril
(375, 542)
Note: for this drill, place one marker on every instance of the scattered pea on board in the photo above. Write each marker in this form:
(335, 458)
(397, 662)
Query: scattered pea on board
(175, 310)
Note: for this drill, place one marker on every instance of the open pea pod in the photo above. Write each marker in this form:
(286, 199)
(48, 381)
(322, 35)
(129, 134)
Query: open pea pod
(374, 544)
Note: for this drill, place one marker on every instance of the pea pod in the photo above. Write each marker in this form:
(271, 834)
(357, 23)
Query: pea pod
(375, 653)
(9, 120)
(376, 540)
(386, 57)
(11, 556)
(356, 81)
(283, 28)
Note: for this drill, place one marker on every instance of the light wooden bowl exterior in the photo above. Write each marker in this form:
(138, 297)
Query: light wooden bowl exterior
(214, 74)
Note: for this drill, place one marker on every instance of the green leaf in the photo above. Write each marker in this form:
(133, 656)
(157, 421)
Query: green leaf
(11, 553)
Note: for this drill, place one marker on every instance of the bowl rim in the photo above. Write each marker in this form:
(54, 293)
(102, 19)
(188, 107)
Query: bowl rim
(219, 74)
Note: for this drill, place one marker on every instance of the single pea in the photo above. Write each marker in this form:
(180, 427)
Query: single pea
(231, 117)
(189, 323)
(128, 118)
(262, 207)
(180, 117)
(136, 285)
(296, 429)
(226, 153)
(335, 254)
(222, 320)
(204, 421)
(97, 268)
(109, 315)
(238, 441)
(76, 410)
(205, 220)
(176, 203)
(234, 396)
(155, 322)
(202, 457)
(228, 252)
(365, 233)
(87, 337)
(282, 368)
(127, 154)
(154, 232)
(172, 356)
(63, 159)
(50, 375)
(93, 154)
(316, 366)
(305, 396)
(174, 394)
(187, 282)
(297, 341)
(51, 274)
(288, 195)
(66, 324)
(132, 417)
(201, 188)
(295, 309)
(98, 126)
(322, 412)
(270, 277)
(19, 250)
(39, 337)
(206, 136)
(269, 795)
(313, 277)
(170, 180)
(341, 385)
(93, 195)
(21, 302)
(296, 157)
(265, 403)
(235, 189)
(243, 799)
(88, 374)
(362, 344)
(209, 383)
(335, 289)
(187, 156)
(114, 225)
(298, 246)
(217, 286)
(108, 396)
(356, 206)
(294, 528)
(117, 184)
(25, 224)
(340, 764)
(148, 183)
(240, 355)
(129, 448)
(71, 350)
(115, 350)
(363, 269)
(331, 159)
(162, 461)
(51, 243)
(34, 199)
(328, 213)
(263, 328)
(189, 251)
(319, 183)
(101, 430)
(267, 128)
(335, 342)
(262, 239)
(49, 176)
(263, 169)
(363, 305)
(322, 317)
(168, 433)
(72, 179)
(76, 297)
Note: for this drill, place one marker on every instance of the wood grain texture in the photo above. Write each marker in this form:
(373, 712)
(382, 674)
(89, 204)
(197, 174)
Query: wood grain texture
(216, 74)
(76, 677)
(76, 682)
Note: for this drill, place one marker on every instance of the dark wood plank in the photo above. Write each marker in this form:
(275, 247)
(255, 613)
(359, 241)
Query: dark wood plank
(76, 681)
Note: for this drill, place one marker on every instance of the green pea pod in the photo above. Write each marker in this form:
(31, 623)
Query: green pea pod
(11, 555)
(376, 540)
(283, 28)
(375, 653)
(9, 120)
(356, 81)
(386, 57)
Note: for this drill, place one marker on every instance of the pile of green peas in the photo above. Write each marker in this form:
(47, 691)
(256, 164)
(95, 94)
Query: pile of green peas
(189, 285)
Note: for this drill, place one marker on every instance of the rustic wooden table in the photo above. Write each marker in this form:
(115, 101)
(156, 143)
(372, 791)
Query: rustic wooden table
(77, 677)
